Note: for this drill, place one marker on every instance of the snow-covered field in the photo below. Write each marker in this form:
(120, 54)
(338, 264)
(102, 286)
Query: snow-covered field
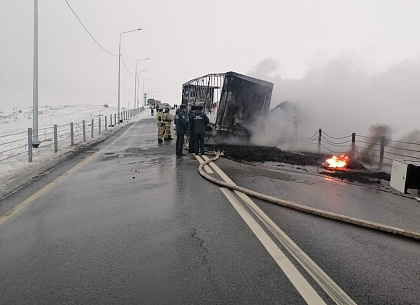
(14, 124)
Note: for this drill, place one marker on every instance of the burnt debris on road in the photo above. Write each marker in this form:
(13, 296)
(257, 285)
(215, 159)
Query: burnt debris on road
(254, 153)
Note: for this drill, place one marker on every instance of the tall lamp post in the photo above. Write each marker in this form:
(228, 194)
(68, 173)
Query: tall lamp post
(136, 84)
(119, 70)
(35, 142)
(154, 91)
(137, 95)
(144, 95)
(148, 88)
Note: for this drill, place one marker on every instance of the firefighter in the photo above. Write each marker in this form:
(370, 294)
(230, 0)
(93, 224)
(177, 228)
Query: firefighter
(181, 128)
(167, 119)
(160, 124)
(199, 123)
(152, 110)
(190, 131)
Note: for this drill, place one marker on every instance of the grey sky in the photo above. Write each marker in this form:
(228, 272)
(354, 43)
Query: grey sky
(289, 41)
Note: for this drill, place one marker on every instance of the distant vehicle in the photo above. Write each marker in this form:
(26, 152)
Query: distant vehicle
(167, 105)
(151, 102)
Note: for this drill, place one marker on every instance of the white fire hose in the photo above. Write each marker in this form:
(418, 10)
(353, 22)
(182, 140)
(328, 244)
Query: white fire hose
(309, 210)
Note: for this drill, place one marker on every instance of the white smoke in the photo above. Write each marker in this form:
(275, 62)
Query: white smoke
(341, 98)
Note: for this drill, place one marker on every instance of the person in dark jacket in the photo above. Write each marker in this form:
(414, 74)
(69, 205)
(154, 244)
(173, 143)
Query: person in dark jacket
(181, 128)
(190, 129)
(199, 122)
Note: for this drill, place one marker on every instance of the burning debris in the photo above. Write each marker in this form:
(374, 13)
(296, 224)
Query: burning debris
(343, 162)
(338, 162)
(354, 172)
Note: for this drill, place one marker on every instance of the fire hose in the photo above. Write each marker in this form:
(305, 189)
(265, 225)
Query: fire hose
(306, 209)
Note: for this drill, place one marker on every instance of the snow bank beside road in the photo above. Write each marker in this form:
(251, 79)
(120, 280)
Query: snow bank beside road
(17, 171)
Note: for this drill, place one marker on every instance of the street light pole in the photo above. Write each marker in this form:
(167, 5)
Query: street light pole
(148, 88)
(135, 82)
(137, 88)
(35, 142)
(119, 71)
(152, 91)
(144, 96)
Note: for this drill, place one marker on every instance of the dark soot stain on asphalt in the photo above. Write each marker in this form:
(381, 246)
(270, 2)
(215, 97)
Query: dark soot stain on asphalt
(251, 153)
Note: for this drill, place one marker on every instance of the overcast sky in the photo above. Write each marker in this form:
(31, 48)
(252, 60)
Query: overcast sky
(361, 55)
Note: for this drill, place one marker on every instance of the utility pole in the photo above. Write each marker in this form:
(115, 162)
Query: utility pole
(119, 72)
(35, 142)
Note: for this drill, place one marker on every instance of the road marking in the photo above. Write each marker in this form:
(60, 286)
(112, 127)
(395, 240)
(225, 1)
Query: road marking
(301, 284)
(324, 281)
(53, 183)
(201, 159)
(221, 173)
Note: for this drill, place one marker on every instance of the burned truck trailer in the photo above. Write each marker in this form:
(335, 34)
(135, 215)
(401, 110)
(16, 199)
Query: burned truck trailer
(244, 101)
(199, 95)
(240, 102)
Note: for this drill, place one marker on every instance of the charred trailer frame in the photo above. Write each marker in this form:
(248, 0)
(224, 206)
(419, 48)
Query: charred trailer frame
(201, 91)
(244, 103)
(198, 95)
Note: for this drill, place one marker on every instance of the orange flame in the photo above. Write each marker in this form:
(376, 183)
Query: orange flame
(338, 162)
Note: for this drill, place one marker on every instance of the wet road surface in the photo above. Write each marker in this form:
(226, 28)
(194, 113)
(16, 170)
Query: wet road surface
(375, 267)
(137, 225)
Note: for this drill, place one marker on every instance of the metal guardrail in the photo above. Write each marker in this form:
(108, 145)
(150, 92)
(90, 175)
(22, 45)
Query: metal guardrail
(373, 150)
(58, 136)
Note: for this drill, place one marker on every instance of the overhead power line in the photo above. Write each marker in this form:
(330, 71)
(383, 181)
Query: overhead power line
(80, 21)
(88, 31)
(126, 66)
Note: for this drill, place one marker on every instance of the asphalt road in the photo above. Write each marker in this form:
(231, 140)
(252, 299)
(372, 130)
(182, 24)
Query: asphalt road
(130, 223)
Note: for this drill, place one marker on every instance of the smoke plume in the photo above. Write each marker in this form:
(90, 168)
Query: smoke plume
(376, 132)
(340, 97)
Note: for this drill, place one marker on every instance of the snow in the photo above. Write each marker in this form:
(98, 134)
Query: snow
(16, 170)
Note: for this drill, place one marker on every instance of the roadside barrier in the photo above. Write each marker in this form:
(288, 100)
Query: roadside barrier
(377, 150)
(306, 209)
(58, 136)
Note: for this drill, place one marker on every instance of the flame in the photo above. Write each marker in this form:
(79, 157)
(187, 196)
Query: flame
(338, 162)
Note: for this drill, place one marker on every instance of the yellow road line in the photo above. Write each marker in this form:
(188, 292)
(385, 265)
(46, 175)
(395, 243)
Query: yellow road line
(53, 183)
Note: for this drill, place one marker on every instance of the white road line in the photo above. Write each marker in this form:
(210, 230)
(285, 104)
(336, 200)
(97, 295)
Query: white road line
(221, 173)
(201, 159)
(50, 185)
(300, 283)
(324, 281)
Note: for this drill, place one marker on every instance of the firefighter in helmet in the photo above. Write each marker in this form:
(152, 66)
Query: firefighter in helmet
(160, 124)
(167, 118)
